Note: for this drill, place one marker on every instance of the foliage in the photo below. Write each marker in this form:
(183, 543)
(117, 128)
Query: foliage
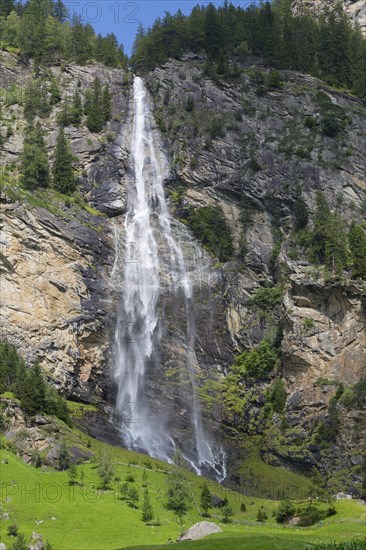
(357, 244)
(36, 99)
(42, 31)
(227, 513)
(300, 212)
(206, 499)
(331, 48)
(28, 385)
(210, 227)
(71, 113)
(97, 106)
(310, 515)
(132, 496)
(285, 511)
(266, 299)
(63, 457)
(258, 362)
(20, 543)
(177, 493)
(329, 244)
(277, 395)
(106, 470)
(64, 179)
(262, 514)
(147, 511)
(34, 159)
(72, 473)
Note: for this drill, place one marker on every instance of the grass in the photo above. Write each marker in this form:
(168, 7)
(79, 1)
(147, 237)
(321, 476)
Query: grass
(86, 517)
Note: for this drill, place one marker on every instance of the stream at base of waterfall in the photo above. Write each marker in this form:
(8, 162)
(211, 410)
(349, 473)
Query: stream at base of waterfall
(141, 326)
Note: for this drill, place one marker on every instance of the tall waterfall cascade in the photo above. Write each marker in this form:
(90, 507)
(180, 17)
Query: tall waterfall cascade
(151, 271)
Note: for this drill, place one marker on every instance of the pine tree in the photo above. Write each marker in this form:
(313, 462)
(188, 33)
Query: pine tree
(94, 107)
(357, 243)
(77, 109)
(64, 179)
(107, 103)
(72, 474)
(206, 500)
(34, 159)
(20, 543)
(105, 469)
(177, 489)
(147, 511)
(133, 496)
(63, 457)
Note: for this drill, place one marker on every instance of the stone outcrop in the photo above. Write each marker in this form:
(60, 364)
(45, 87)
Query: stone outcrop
(199, 531)
(56, 258)
(261, 148)
(247, 140)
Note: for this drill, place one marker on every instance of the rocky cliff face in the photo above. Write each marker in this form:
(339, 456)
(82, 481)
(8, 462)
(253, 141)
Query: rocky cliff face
(56, 255)
(243, 139)
(355, 9)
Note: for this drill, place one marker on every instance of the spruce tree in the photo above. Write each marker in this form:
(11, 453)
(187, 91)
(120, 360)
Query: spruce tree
(147, 511)
(357, 243)
(94, 108)
(177, 493)
(34, 159)
(107, 104)
(206, 501)
(64, 179)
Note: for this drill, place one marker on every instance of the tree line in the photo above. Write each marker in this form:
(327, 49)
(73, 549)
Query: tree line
(329, 46)
(43, 31)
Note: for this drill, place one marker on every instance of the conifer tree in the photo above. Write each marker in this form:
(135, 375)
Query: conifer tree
(177, 489)
(206, 501)
(64, 179)
(34, 159)
(147, 511)
(357, 243)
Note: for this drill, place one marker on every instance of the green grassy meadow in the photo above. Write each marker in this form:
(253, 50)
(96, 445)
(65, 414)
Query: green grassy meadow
(85, 518)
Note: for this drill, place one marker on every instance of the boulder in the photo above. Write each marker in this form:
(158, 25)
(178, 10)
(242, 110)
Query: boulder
(36, 542)
(200, 530)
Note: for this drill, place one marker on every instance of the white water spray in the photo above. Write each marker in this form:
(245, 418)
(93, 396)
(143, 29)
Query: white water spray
(140, 329)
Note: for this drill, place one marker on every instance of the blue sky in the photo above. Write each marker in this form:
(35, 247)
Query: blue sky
(123, 16)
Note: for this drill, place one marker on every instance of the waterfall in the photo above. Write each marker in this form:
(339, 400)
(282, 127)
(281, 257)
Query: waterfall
(153, 264)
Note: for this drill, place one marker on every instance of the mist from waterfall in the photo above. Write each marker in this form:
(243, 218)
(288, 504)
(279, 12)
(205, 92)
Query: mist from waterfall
(140, 325)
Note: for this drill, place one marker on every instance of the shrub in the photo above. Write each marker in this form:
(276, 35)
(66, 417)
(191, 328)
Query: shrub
(310, 121)
(258, 362)
(278, 395)
(274, 79)
(266, 299)
(190, 104)
(262, 515)
(310, 515)
(227, 513)
(12, 530)
(285, 511)
(209, 226)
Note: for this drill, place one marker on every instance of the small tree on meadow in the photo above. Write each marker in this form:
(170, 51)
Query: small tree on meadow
(227, 513)
(206, 499)
(178, 495)
(147, 511)
(72, 474)
(105, 469)
(63, 457)
(133, 496)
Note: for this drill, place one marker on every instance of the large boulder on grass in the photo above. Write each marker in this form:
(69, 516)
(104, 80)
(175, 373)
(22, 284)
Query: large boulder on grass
(200, 530)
